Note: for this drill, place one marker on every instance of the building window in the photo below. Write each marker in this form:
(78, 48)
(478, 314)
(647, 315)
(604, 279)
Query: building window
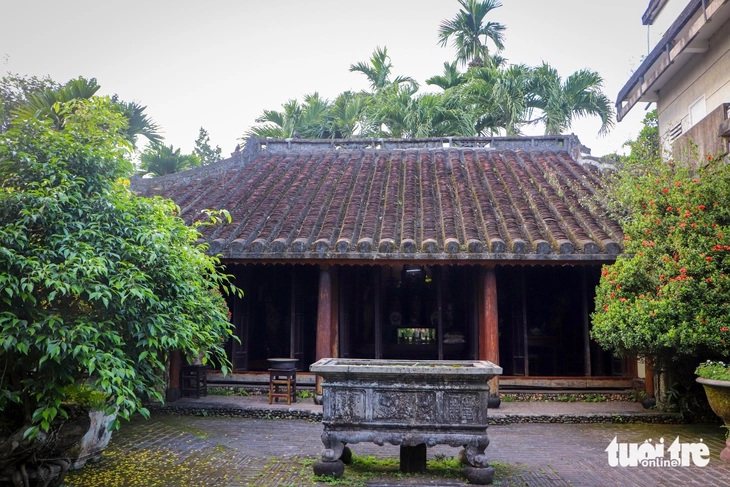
(697, 111)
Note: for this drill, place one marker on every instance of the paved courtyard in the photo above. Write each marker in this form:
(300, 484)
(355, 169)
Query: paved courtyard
(191, 451)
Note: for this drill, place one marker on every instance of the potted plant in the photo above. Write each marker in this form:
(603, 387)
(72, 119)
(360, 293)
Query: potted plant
(715, 378)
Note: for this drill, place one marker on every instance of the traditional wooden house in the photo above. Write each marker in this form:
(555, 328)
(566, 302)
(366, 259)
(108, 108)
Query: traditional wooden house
(441, 248)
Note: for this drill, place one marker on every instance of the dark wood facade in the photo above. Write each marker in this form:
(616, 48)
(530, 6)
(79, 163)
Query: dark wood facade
(441, 248)
(531, 320)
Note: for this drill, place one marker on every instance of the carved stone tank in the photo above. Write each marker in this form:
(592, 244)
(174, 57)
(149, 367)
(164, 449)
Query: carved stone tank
(415, 404)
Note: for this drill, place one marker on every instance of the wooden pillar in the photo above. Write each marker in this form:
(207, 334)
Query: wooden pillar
(293, 315)
(335, 314)
(439, 307)
(377, 321)
(324, 321)
(649, 373)
(488, 323)
(586, 325)
(173, 391)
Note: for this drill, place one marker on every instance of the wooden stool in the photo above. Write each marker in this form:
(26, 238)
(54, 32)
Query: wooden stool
(193, 381)
(278, 378)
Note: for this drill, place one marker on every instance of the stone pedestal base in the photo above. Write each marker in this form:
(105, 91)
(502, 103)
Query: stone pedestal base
(479, 476)
(329, 469)
(413, 458)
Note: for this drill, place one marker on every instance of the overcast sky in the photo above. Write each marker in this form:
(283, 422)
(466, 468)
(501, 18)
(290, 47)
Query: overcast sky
(220, 63)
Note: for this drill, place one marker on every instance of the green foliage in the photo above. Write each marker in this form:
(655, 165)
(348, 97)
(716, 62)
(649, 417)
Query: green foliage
(468, 28)
(159, 160)
(15, 91)
(97, 285)
(646, 147)
(86, 396)
(594, 398)
(667, 296)
(203, 151)
(715, 370)
(490, 98)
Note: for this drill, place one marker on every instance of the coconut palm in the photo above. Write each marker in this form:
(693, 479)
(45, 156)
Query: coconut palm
(308, 120)
(579, 96)
(501, 98)
(377, 70)
(159, 160)
(470, 33)
(451, 77)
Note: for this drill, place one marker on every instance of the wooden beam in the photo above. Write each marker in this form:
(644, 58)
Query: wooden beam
(324, 320)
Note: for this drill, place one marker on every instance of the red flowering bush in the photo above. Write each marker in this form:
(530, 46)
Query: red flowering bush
(669, 294)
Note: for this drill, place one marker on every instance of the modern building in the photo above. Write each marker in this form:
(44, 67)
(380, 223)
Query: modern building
(687, 74)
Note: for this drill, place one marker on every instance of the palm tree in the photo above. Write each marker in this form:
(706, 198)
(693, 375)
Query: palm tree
(377, 70)
(159, 160)
(467, 30)
(451, 77)
(42, 105)
(579, 96)
(500, 97)
(307, 120)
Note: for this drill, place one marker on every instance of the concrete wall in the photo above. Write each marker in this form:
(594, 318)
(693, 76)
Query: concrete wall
(705, 75)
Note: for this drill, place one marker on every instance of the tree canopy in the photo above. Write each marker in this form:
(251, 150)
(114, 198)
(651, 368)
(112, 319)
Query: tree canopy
(98, 285)
(492, 97)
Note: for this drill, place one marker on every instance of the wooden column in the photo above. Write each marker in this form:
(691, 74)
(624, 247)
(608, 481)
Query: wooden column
(586, 325)
(335, 314)
(440, 309)
(293, 314)
(488, 323)
(377, 321)
(649, 374)
(324, 320)
(173, 391)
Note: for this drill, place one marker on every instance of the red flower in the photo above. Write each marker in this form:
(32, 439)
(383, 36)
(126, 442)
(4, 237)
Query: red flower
(701, 207)
(723, 329)
(665, 190)
(719, 235)
(708, 259)
(683, 270)
(709, 157)
(678, 183)
(669, 208)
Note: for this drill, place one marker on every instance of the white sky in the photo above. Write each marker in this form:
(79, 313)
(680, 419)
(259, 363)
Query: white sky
(220, 63)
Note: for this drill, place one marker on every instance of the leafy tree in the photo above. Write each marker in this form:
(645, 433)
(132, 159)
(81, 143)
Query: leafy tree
(579, 96)
(42, 104)
(378, 70)
(647, 146)
(98, 286)
(668, 296)
(15, 91)
(159, 160)
(470, 33)
(203, 151)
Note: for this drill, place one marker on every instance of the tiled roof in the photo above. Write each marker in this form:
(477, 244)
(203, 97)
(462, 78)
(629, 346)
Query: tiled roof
(476, 199)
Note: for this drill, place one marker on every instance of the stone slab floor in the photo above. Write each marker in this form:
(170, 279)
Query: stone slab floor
(189, 451)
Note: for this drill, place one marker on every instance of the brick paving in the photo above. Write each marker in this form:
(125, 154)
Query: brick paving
(192, 451)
